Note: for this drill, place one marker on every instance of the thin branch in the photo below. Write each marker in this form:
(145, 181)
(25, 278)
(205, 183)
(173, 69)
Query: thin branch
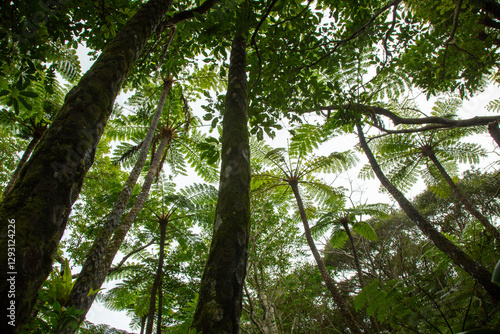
(451, 39)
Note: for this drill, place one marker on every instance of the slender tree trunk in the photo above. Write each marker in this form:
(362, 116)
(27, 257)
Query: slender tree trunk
(330, 283)
(160, 307)
(143, 324)
(93, 279)
(21, 164)
(268, 323)
(345, 225)
(49, 183)
(220, 298)
(159, 270)
(494, 131)
(429, 152)
(457, 255)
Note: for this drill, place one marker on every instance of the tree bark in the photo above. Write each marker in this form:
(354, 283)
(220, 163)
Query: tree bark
(21, 164)
(95, 276)
(457, 255)
(159, 270)
(345, 225)
(220, 298)
(330, 283)
(94, 259)
(49, 183)
(143, 324)
(494, 131)
(160, 307)
(429, 152)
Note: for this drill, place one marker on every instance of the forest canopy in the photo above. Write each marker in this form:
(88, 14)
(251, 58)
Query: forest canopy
(230, 187)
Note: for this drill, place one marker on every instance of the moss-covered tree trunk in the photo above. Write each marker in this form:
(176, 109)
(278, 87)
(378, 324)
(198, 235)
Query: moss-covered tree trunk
(429, 152)
(49, 184)
(220, 298)
(330, 283)
(95, 276)
(163, 221)
(457, 255)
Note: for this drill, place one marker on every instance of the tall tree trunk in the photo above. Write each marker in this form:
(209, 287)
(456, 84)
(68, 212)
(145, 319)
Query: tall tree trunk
(494, 131)
(457, 255)
(429, 152)
(330, 283)
(160, 307)
(159, 270)
(220, 298)
(93, 261)
(21, 164)
(94, 278)
(143, 324)
(49, 183)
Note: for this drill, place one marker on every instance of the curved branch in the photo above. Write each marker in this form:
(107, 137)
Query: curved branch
(451, 39)
(444, 122)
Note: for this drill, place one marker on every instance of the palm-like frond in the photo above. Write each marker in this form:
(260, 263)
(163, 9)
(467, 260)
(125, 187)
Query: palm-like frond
(321, 192)
(335, 162)
(126, 154)
(65, 59)
(338, 238)
(307, 138)
(365, 230)
(470, 153)
(194, 156)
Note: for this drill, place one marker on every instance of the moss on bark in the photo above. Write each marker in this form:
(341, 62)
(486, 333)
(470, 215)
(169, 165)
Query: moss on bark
(221, 292)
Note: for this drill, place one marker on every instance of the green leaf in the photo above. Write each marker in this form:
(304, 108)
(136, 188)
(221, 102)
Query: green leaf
(365, 230)
(28, 94)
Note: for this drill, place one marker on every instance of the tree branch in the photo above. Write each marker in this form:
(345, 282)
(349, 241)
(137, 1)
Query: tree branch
(451, 39)
(189, 14)
(443, 122)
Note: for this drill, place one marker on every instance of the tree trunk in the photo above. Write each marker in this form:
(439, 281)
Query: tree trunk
(143, 324)
(494, 131)
(93, 279)
(268, 323)
(160, 307)
(156, 284)
(96, 253)
(345, 225)
(21, 164)
(429, 152)
(49, 183)
(220, 298)
(457, 255)
(330, 283)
